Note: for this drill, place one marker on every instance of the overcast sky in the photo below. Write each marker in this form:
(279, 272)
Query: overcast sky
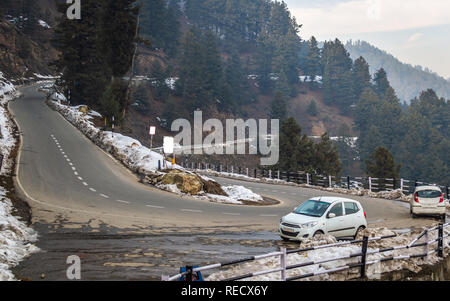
(415, 31)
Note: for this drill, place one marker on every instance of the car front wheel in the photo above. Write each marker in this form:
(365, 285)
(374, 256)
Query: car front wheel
(359, 230)
(318, 233)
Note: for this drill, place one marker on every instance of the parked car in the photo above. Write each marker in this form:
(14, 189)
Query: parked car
(428, 200)
(340, 217)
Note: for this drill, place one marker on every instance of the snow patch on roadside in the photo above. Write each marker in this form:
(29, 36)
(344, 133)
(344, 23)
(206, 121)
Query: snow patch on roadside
(15, 237)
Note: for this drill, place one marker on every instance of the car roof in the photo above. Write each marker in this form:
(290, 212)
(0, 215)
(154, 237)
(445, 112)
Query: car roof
(332, 199)
(428, 187)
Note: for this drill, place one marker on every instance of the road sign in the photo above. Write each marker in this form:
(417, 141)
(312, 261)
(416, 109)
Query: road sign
(152, 130)
(168, 145)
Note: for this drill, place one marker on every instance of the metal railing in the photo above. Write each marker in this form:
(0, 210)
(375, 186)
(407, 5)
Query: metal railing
(361, 264)
(300, 177)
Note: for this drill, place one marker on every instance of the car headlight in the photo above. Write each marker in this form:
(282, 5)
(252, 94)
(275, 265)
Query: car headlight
(281, 220)
(309, 225)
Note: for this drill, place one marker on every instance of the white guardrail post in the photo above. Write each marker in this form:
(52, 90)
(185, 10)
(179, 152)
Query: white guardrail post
(370, 184)
(283, 263)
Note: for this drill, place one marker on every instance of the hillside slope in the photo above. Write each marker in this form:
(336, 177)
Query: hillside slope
(407, 80)
(26, 50)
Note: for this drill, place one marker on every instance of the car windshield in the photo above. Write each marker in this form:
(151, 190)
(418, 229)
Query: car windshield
(312, 208)
(429, 194)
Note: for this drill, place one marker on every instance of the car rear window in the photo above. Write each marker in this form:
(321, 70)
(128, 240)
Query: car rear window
(429, 194)
(351, 208)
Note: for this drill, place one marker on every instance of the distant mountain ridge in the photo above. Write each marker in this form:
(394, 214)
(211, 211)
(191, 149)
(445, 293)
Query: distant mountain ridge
(407, 80)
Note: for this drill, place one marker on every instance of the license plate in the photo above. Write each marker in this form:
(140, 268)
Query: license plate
(289, 230)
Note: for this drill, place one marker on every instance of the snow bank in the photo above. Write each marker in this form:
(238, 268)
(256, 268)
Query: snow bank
(15, 237)
(5, 86)
(373, 271)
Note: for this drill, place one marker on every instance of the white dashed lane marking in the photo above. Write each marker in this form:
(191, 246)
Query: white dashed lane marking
(234, 214)
(104, 196)
(92, 189)
(157, 207)
(190, 210)
(124, 202)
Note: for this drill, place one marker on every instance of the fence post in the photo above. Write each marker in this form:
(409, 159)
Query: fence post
(278, 174)
(188, 277)
(270, 173)
(348, 182)
(441, 240)
(283, 263)
(401, 184)
(426, 241)
(307, 178)
(247, 171)
(364, 255)
(329, 181)
(370, 184)
(255, 173)
(394, 186)
(232, 169)
(288, 176)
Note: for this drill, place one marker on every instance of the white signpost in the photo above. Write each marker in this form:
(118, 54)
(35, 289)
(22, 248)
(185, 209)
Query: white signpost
(152, 133)
(169, 147)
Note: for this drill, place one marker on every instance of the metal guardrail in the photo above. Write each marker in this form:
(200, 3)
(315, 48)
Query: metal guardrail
(300, 177)
(362, 264)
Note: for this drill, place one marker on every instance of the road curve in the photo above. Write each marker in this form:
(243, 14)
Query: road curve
(67, 177)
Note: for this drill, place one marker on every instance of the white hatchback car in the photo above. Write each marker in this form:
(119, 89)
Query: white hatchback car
(336, 216)
(427, 200)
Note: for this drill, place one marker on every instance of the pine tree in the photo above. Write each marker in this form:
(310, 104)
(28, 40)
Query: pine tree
(381, 83)
(337, 75)
(381, 164)
(278, 108)
(159, 76)
(361, 77)
(312, 108)
(264, 59)
(327, 157)
(312, 64)
(118, 37)
(82, 60)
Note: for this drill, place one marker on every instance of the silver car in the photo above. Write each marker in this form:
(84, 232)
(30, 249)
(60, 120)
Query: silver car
(428, 200)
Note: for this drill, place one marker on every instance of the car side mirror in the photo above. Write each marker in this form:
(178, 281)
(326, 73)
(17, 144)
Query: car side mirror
(331, 215)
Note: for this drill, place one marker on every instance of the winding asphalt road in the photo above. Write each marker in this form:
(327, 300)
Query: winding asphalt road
(62, 173)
